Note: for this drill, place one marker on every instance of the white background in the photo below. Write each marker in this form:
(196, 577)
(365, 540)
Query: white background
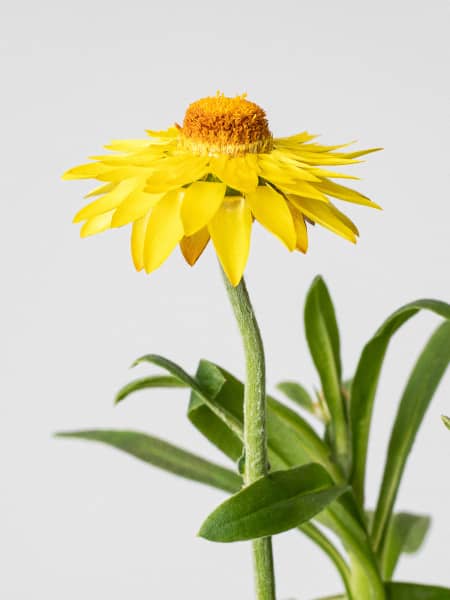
(83, 521)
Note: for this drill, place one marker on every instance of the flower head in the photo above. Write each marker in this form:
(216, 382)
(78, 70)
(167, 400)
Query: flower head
(210, 178)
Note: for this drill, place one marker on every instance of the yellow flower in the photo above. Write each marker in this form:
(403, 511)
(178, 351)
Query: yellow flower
(211, 178)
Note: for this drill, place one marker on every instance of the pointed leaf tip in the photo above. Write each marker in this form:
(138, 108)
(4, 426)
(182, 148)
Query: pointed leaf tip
(417, 395)
(365, 380)
(155, 381)
(322, 335)
(164, 455)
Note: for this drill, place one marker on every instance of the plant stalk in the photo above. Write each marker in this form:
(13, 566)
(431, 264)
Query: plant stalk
(255, 432)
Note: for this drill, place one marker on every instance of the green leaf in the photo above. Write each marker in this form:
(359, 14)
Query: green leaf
(181, 374)
(408, 591)
(227, 392)
(405, 534)
(365, 576)
(322, 335)
(155, 381)
(160, 453)
(414, 591)
(415, 400)
(291, 440)
(327, 546)
(446, 421)
(366, 378)
(320, 318)
(298, 394)
(275, 503)
(295, 441)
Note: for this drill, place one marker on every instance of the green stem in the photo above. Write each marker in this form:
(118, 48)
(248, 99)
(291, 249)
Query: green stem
(255, 433)
(314, 534)
(365, 578)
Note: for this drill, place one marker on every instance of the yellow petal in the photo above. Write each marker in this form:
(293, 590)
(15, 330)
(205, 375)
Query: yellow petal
(164, 230)
(145, 157)
(126, 172)
(286, 164)
(271, 210)
(230, 231)
(134, 207)
(300, 229)
(89, 171)
(108, 201)
(97, 224)
(344, 219)
(176, 171)
(101, 189)
(321, 148)
(301, 188)
(126, 160)
(192, 246)
(201, 201)
(138, 232)
(252, 163)
(164, 134)
(236, 172)
(362, 152)
(279, 170)
(344, 193)
(298, 138)
(321, 158)
(326, 215)
(325, 173)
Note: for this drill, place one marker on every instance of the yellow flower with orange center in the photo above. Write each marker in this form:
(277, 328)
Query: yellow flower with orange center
(210, 179)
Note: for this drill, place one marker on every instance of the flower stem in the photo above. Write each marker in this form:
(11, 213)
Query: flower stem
(255, 433)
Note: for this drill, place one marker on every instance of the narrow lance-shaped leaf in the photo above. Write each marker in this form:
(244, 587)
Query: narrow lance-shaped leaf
(228, 393)
(327, 546)
(275, 503)
(181, 374)
(288, 432)
(446, 421)
(291, 440)
(200, 414)
(405, 534)
(212, 380)
(415, 591)
(415, 400)
(366, 378)
(322, 335)
(408, 591)
(160, 453)
(319, 296)
(154, 381)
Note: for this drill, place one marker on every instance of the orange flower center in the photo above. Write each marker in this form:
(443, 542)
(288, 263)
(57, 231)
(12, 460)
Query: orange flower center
(221, 125)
